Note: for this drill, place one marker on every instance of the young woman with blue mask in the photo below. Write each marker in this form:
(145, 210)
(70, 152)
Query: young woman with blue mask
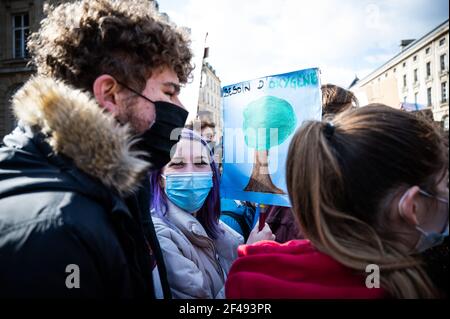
(198, 249)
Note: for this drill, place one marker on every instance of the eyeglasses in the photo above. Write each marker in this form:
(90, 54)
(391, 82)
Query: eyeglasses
(441, 199)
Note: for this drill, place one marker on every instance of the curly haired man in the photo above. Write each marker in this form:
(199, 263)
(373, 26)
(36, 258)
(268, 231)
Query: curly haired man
(74, 205)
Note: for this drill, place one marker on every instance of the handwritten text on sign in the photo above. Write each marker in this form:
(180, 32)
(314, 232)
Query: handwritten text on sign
(293, 82)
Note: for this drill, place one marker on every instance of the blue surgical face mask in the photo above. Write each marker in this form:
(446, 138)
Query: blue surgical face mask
(188, 190)
(431, 239)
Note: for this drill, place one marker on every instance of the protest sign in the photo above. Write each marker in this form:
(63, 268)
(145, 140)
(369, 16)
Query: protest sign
(260, 118)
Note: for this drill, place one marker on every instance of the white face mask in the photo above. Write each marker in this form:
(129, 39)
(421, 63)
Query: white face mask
(431, 239)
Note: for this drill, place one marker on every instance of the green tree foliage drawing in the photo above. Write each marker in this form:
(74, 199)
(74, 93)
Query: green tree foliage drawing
(268, 122)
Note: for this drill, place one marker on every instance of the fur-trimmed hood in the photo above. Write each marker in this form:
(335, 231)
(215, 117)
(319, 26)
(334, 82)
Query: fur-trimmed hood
(80, 129)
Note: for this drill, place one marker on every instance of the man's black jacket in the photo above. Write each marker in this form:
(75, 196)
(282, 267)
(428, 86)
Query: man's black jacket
(71, 195)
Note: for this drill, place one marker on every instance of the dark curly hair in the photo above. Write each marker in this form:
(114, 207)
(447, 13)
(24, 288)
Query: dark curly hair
(128, 39)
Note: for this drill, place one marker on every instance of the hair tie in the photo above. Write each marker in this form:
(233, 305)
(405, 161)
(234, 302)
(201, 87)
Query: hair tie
(329, 130)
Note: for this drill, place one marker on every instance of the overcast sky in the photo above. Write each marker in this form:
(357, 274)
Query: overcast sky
(253, 38)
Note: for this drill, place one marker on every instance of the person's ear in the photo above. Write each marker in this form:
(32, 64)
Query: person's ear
(408, 205)
(162, 181)
(106, 93)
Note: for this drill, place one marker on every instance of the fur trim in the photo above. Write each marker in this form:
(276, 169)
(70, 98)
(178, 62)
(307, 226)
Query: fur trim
(79, 128)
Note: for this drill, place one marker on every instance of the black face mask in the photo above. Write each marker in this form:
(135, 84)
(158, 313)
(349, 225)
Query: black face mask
(157, 141)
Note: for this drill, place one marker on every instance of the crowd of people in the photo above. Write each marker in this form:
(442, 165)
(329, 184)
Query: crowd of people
(88, 179)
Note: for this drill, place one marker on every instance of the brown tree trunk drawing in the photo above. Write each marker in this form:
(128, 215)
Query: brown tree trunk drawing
(260, 180)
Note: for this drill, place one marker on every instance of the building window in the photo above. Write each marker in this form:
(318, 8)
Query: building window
(443, 58)
(395, 70)
(415, 58)
(427, 51)
(428, 69)
(404, 99)
(404, 64)
(442, 42)
(429, 100)
(444, 92)
(416, 77)
(386, 75)
(21, 30)
(404, 80)
(9, 120)
(416, 96)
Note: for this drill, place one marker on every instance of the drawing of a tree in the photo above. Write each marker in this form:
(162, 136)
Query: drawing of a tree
(268, 122)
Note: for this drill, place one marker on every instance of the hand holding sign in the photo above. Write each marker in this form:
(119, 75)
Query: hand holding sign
(258, 234)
